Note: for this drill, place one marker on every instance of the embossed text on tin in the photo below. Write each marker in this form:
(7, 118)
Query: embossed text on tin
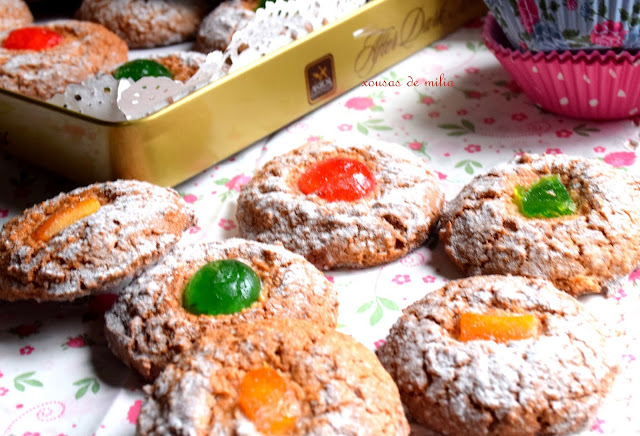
(380, 42)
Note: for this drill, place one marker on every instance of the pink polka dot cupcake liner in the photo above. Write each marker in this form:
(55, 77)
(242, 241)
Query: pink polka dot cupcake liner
(586, 84)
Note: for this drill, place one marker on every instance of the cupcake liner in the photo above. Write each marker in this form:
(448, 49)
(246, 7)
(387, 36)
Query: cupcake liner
(591, 85)
(548, 25)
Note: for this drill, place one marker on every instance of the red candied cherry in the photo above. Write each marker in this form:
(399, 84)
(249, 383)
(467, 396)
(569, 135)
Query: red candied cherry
(338, 179)
(32, 38)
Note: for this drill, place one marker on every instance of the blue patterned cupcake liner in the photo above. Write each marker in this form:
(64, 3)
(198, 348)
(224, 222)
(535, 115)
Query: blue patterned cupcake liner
(548, 25)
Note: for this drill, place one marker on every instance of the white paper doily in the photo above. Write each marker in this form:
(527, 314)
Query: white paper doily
(276, 25)
(280, 23)
(109, 99)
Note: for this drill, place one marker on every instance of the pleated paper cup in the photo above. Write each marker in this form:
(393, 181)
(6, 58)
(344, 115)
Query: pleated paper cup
(585, 84)
(550, 25)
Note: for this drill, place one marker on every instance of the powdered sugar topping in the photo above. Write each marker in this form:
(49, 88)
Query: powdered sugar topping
(568, 367)
(148, 325)
(403, 203)
(337, 386)
(104, 247)
(485, 232)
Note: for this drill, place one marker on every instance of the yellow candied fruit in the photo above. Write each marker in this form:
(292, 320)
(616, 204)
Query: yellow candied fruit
(497, 327)
(64, 218)
(263, 399)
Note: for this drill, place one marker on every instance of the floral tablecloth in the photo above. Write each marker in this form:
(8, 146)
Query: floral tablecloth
(57, 375)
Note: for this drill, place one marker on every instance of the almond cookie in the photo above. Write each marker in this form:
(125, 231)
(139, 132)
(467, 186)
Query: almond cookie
(163, 311)
(143, 23)
(89, 240)
(274, 377)
(41, 61)
(365, 204)
(217, 28)
(588, 250)
(180, 66)
(14, 14)
(499, 355)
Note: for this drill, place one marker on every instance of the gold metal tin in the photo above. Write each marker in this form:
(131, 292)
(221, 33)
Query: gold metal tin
(220, 119)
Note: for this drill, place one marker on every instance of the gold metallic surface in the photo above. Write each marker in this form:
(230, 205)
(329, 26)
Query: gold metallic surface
(224, 117)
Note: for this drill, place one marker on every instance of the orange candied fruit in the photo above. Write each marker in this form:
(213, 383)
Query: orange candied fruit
(498, 327)
(64, 218)
(263, 399)
(338, 179)
(32, 38)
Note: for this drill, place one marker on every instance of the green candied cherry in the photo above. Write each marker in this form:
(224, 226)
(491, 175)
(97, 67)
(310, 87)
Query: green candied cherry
(546, 198)
(221, 287)
(139, 68)
(262, 3)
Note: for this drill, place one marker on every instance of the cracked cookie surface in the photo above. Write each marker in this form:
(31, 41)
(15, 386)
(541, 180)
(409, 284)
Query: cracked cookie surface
(483, 231)
(217, 28)
(391, 221)
(147, 325)
(549, 384)
(144, 23)
(86, 49)
(340, 388)
(135, 225)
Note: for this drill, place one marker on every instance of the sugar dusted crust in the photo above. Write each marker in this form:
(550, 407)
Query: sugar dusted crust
(484, 233)
(136, 224)
(143, 23)
(339, 384)
(217, 28)
(552, 384)
(14, 14)
(394, 220)
(147, 325)
(86, 50)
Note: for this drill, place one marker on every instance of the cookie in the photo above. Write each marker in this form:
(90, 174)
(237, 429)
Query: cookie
(392, 202)
(153, 320)
(217, 28)
(292, 376)
(143, 23)
(550, 381)
(89, 240)
(484, 232)
(73, 52)
(14, 14)
(180, 66)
